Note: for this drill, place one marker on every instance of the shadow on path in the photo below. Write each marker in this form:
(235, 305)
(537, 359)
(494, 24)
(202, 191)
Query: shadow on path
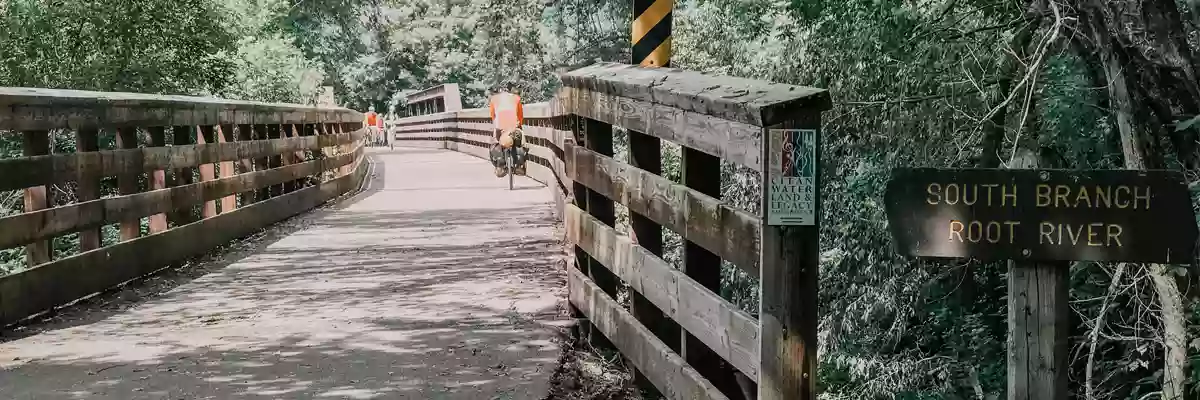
(449, 293)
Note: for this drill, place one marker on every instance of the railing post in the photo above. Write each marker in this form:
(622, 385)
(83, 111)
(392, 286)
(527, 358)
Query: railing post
(246, 134)
(275, 131)
(37, 143)
(127, 183)
(598, 137)
(225, 135)
(88, 140)
(183, 136)
(645, 152)
(789, 259)
(310, 130)
(156, 136)
(702, 172)
(262, 163)
(287, 158)
(208, 172)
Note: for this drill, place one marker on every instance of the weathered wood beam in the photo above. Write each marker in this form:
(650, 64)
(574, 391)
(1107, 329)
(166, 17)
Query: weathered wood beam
(44, 109)
(37, 290)
(23, 172)
(719, 324)
(157, 137)
(88, 140)
(129, 183)
(722, 229)
(21, 229)
(37, 198)
(225, 168)
(750, 101)
(730, 140)
(669, 373)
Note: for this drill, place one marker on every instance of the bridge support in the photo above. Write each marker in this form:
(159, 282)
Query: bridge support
(127, 183)
(183, 135)
(37, 143)
(156, 136)
(87, 140)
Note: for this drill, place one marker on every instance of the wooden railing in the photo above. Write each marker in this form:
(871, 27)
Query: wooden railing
(470, 131)
(681, 336)
(244, 165)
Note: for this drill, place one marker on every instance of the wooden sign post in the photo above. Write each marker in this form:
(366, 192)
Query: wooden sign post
(789, 260)
(1038, 219)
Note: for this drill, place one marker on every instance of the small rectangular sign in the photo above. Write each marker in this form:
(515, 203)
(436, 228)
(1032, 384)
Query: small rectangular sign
(1048, 215)
(791, 177)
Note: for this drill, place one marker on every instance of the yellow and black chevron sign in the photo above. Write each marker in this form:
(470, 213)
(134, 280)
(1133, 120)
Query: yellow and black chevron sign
(652, 32)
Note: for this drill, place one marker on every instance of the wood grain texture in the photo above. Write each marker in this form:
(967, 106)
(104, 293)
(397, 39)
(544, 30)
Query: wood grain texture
(788, 314)
(40, 289)
(128, 182)
(1039, 330)
(719, 324)
(225, 168)
(669, 373)
(20, 173)
(24, 228)
(730, 140)
(37, 198)
(208, 171)
(755, 102)
(722, 229)
(88, 185)
(156, 136)
(43, 109)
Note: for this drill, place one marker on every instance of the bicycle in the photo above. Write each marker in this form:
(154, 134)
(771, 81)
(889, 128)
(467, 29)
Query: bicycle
(510, 158)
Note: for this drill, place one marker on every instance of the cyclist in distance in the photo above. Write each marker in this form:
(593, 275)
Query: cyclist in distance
(507, 115)
(372, 122)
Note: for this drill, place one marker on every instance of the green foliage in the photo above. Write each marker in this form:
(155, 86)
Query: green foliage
(114, 45)
(272, 69)
(914, 83)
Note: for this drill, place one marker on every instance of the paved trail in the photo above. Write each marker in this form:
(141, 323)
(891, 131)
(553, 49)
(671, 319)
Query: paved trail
(437, 282)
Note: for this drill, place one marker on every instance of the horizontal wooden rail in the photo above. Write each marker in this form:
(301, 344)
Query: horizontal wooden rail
(32, 226)
(61, 282)
(20, 173)
(669, 372)
(729, 331)
(257, 163)
(748, 101)
(42, 109)
(727, 231)
(735, 141)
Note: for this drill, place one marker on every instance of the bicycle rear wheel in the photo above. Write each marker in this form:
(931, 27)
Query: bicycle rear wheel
(508, 159)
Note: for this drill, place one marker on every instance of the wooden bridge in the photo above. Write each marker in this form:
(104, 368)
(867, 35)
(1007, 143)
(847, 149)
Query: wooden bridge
(412, 261)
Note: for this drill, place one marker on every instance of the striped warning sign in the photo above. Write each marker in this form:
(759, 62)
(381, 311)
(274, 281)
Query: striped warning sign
(652, 32)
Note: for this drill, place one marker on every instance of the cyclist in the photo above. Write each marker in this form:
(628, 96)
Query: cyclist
(507, 115)
(371, 123)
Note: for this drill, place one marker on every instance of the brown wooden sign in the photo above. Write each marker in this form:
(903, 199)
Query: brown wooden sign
(1099, 215)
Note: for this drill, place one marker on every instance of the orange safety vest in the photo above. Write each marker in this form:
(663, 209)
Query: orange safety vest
(371, 116)
(506, 111)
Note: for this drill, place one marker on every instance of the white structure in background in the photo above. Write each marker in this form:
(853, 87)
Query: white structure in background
(325, 98)
(440, 98)
(432, 100)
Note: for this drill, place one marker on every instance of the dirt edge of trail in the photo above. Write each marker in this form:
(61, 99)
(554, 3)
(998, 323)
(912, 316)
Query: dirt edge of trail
(584, 374)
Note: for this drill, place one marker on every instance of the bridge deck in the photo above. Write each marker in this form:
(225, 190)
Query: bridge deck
(437, 282)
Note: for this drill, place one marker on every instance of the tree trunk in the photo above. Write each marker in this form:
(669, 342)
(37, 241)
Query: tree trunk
(1135, 120)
